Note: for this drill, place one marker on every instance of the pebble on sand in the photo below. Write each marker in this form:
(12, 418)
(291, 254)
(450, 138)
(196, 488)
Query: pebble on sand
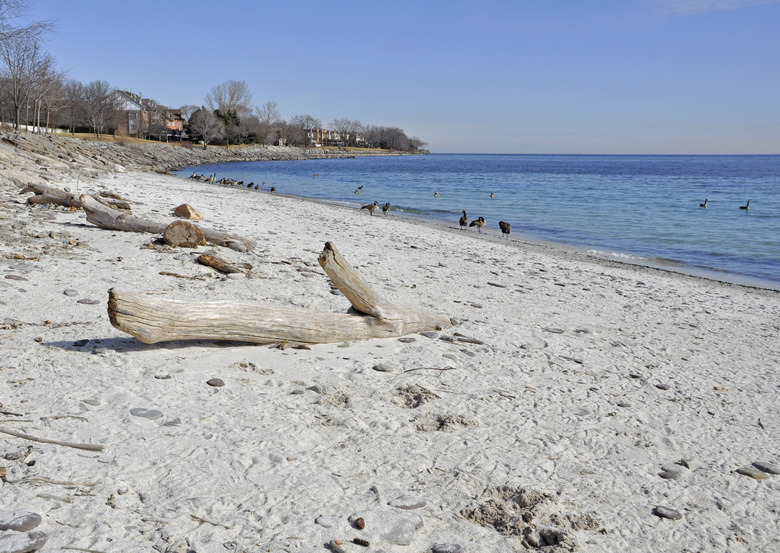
(753, 472)
(21, 521)
(666, 512)
(22, 543)
(769, 468)
(446, 548)
(408, 502)
(215, 382)
(144, 413)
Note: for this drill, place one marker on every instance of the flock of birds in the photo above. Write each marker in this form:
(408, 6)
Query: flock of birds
(464, 222)
(745, 207)
(212, 179)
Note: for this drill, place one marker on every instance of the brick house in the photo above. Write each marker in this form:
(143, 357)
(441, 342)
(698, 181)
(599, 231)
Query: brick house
(144, 118)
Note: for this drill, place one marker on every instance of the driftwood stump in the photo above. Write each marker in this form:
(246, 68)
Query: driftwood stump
(153, 320)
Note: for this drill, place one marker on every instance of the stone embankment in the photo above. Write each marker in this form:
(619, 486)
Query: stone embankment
(28, 158)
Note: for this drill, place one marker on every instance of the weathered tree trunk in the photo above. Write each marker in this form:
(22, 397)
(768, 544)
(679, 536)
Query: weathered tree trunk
(153, 320)
(113, 219)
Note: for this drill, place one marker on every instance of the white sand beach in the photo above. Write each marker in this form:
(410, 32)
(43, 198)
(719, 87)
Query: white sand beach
(579, 405)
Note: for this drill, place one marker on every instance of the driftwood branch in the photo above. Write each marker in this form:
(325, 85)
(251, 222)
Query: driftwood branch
(108, 218)
(153, 320)
(88, 447)
(44, 195)
(223, 266)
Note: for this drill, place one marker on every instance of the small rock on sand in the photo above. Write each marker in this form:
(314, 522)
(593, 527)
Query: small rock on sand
(666, 512)
(22, 543)
(408, 502)
(769, 468)
(144, 413)
(753, 472)
(446, 548)
(21, 521)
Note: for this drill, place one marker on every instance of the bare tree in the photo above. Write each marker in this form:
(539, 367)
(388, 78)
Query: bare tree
(308, 125)
(98, 101)
(11, 12)
(269, 119)
(19, 55)
(230, 102)
(188, 110)
(347, 130)
(206, 125)
(268, 113)
(73, 106)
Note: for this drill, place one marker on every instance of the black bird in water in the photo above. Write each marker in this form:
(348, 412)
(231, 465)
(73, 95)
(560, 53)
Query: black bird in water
(435, 194)
(371, 208)
(464, 220)
(386, 208)
(479, 223)
(746, 206)
(704, 204)
(506, 228)
(273, 189)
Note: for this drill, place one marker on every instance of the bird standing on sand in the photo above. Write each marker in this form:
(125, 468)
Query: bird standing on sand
(506, 228)
(479, 223)
(386, 208)
(704, 204)
(746, 206)
(464, 220)
(371, 208)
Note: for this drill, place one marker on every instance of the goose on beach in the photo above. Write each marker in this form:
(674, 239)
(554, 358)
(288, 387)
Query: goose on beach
(479, 223)
(704, 204)
(464, 220)
(746, 206)
(386, 208)
(506, 228)
(371, 208)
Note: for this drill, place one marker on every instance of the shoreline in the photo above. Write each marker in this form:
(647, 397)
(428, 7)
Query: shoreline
(545, 245)
(663, 263)
(576, 399)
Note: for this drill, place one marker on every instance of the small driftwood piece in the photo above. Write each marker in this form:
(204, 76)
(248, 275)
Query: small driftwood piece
(113, 219)
(87, 447)
(223, 265)
(153, 320)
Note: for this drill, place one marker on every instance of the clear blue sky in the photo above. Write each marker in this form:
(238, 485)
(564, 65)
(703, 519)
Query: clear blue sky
(522, 76)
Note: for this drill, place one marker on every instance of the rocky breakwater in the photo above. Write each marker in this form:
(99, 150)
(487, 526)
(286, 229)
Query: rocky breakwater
(29, 158)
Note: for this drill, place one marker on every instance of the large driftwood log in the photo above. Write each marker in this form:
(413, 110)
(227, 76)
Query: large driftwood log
(113, 219)
(154, 320)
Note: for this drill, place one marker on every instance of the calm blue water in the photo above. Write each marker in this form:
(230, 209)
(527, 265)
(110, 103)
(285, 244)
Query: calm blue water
(646, 207)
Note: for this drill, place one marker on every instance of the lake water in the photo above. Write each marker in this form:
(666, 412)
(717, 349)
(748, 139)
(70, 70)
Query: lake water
(639, 208)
